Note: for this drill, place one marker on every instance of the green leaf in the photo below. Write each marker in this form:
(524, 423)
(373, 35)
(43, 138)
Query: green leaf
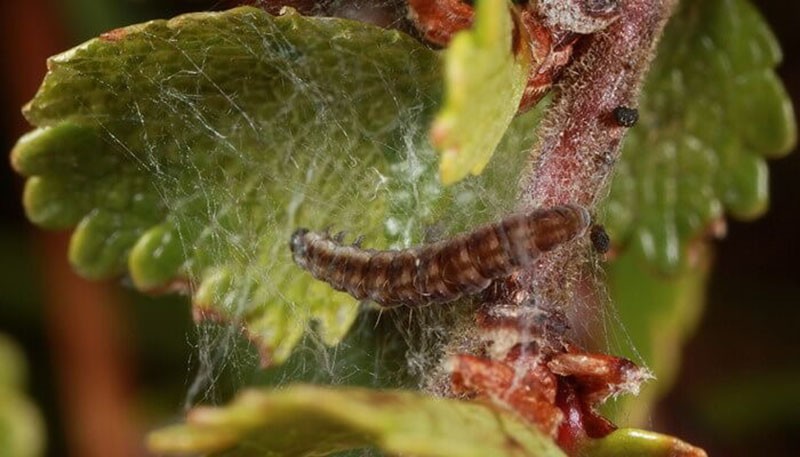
(187, 151)
(484, 84)
(13, 373)
(307, 420)
(659, 313)
(712, 110)
(21, 424)
(633, 442)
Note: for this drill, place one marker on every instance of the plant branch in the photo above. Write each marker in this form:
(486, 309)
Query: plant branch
(581, 135)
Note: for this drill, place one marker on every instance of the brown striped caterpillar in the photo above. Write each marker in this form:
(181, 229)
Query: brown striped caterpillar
(443, 271)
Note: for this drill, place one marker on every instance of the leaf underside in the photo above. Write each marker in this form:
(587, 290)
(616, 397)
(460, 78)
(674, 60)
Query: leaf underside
(305, 420)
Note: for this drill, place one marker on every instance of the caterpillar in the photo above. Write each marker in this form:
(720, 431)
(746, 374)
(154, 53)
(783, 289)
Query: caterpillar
(438, 272)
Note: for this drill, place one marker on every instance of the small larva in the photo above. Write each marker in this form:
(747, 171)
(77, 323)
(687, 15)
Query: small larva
(443, 271)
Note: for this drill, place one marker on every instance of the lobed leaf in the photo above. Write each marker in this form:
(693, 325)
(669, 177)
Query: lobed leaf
(187, 151)
(306, 420)
(485, 80)
(712, 110)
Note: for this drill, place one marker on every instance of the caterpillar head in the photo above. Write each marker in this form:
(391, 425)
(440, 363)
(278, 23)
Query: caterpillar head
(297, 244)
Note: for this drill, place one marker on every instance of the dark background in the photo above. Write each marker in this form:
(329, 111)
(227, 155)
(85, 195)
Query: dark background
(103, 373)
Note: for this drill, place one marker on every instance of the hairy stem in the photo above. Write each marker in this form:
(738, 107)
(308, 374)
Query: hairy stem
(580, 137)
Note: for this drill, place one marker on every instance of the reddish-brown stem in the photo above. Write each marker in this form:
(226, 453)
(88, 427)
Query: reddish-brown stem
(580, 138)
(524, 319)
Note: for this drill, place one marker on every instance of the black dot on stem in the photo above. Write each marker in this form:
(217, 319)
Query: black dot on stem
(625, 116)
(600, 239)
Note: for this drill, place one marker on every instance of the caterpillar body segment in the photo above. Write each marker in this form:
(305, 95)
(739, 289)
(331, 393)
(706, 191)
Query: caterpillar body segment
(443, 271)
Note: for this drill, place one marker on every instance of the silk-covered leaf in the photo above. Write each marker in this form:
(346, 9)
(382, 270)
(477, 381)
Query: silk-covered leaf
(187, 151)
(306, 420)
(485, 80)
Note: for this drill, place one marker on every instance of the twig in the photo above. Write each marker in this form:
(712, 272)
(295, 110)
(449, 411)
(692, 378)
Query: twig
(580, 137)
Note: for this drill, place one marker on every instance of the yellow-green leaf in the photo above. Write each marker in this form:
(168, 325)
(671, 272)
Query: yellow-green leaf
(21, 426)
(308, 420)
(640, 443)
(484, 84)
(187, 151)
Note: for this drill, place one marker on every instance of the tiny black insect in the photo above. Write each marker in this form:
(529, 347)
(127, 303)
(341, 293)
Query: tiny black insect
(625, 116)
(600, 239)
(438, 272)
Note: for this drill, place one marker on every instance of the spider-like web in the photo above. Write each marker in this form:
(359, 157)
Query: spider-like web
(238, 177)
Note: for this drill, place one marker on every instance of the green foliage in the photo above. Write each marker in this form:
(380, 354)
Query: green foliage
(633, 442)
(307, 420)
(188, 150)
(21, 427)
(712, 110)
(484, 84)
(310, 420)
